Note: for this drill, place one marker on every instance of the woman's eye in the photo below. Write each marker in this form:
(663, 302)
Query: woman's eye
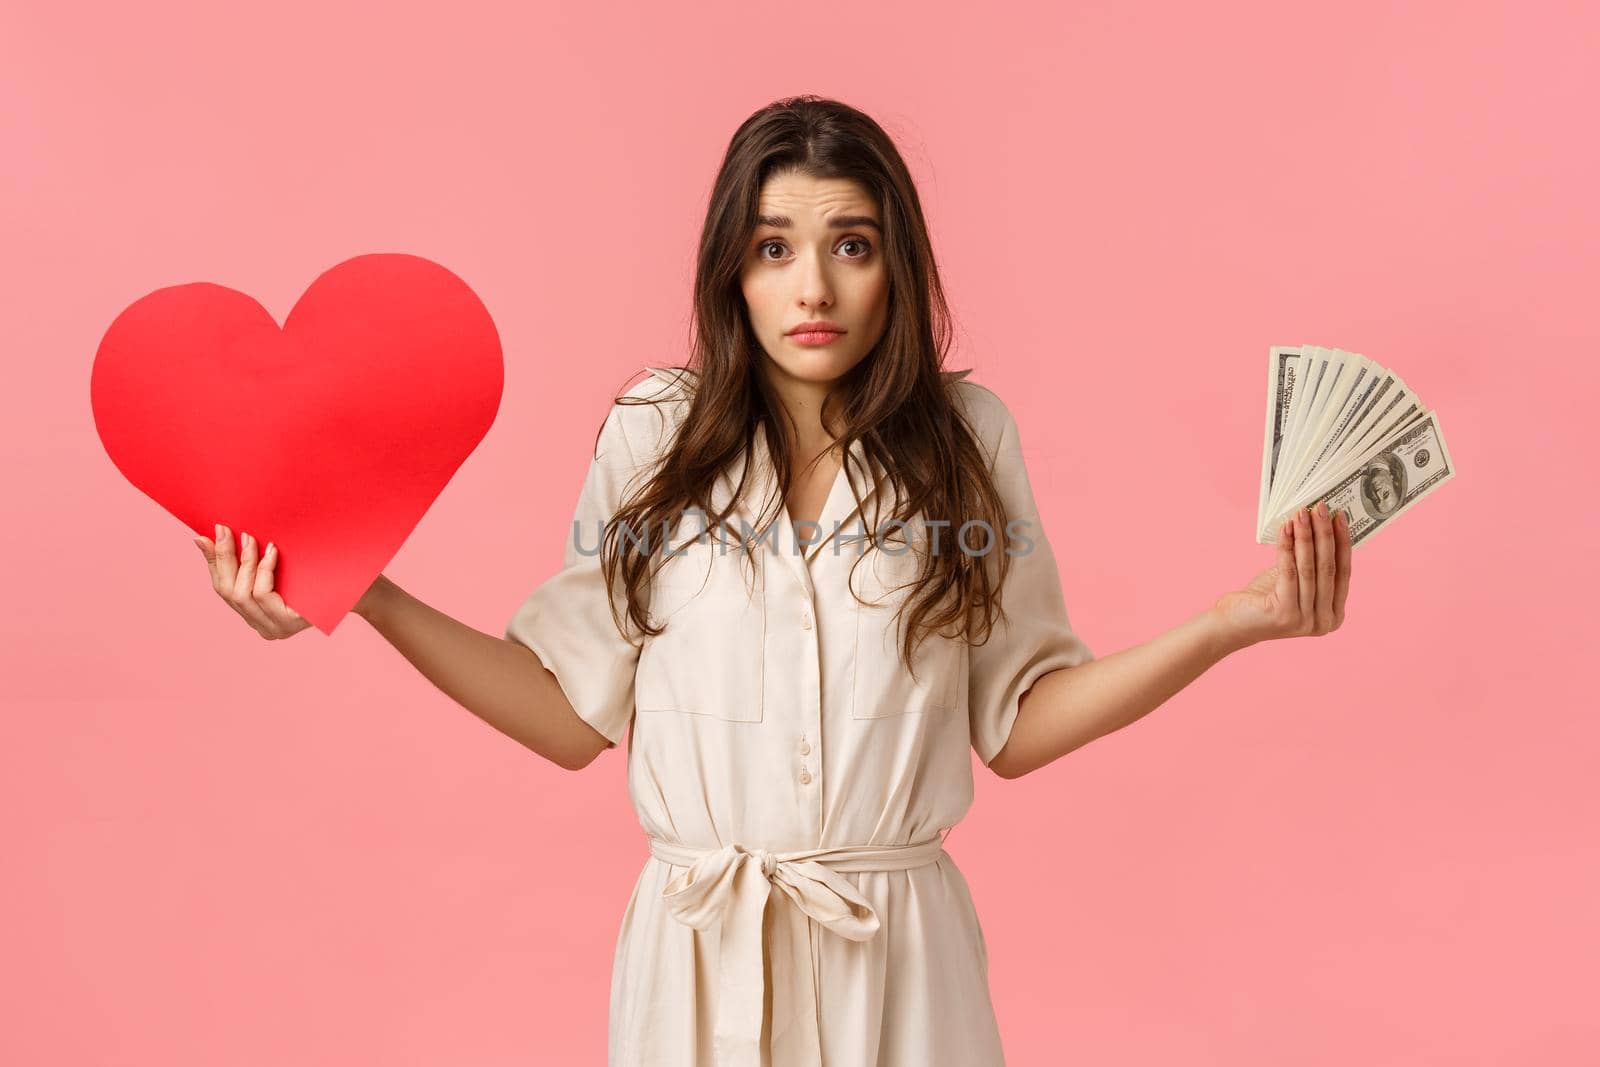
(866, 247)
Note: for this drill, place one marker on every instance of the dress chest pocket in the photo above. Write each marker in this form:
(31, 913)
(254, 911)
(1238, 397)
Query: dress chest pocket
(709, 659)
(883, 687)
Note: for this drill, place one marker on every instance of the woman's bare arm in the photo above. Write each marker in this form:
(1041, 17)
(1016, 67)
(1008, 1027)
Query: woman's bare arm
(499, 681)
(1301, 595)
(1068, 708)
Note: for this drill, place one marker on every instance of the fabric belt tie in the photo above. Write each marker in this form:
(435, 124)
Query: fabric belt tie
(728, 887)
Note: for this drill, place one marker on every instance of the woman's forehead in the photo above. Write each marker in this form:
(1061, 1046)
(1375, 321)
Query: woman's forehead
(795, 192)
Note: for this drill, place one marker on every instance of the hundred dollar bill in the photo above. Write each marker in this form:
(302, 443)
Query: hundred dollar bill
(1372, 411)
(1400, 470)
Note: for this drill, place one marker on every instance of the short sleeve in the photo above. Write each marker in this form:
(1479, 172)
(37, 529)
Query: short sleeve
(567, 621)
(1036, 636)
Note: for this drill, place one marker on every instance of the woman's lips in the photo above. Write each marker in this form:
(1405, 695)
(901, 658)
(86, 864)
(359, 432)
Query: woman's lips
(815, 337)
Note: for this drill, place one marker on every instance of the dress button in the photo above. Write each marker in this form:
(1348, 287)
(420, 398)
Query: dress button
(805, 748)
(805, 620)
(805, 777)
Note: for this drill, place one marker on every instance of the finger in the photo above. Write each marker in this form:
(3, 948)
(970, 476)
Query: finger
(227, 565)
(245, 576)
(1287, 588)
(1305, 558)
(227, 570)
(1341, 586)
(1326, 564)
(265, 595)
(243, 597)
(208, 549)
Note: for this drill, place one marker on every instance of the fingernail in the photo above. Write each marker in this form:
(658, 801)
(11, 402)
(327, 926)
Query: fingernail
(219, 531)
(270, 547)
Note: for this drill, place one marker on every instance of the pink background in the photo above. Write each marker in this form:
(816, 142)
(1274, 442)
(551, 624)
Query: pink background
(1376, 847)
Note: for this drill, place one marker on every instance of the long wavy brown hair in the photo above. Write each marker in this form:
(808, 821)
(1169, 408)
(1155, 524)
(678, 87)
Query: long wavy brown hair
(897, 400)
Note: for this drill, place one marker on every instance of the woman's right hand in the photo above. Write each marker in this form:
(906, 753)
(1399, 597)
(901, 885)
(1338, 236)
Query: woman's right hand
(244, 582)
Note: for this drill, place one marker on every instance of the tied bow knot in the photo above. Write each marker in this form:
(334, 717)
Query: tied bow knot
(735, 879)
(727, 889)
(769, 862)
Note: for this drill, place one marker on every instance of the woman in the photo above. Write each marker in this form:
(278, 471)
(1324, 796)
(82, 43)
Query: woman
(783, 587)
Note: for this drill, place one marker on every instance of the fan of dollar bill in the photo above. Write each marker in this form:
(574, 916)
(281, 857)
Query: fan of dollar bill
(1341, 428)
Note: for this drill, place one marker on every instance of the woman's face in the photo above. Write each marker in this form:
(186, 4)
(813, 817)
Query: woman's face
(816, 254)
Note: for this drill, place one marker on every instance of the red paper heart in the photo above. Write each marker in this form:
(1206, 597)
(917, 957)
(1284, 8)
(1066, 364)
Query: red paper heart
(330, 437)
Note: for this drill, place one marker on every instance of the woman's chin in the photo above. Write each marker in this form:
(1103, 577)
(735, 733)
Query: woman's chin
(819, 365)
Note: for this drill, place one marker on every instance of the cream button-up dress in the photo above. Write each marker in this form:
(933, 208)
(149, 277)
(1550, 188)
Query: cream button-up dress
(793, 781)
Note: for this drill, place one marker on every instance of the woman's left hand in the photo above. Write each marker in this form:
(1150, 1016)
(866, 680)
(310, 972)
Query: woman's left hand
(1302, 594)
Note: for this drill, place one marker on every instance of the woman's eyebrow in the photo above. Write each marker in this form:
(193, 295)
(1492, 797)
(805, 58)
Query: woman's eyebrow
(838, 222)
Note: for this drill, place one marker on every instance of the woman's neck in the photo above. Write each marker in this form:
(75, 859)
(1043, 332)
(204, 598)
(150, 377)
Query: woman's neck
(802, 414)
